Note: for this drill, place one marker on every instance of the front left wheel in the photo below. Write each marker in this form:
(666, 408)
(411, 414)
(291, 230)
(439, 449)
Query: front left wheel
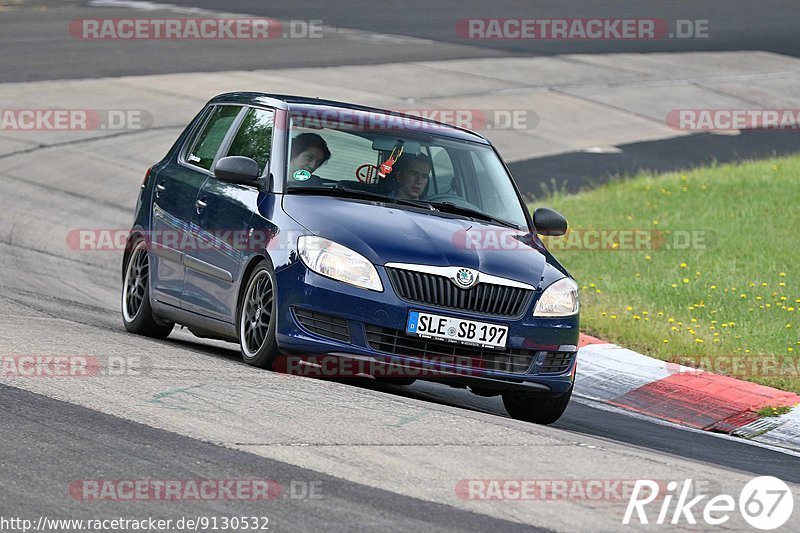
(257, 318)
(137, 313)
(539, 410)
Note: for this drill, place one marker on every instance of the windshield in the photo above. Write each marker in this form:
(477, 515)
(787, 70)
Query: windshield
(380, 156)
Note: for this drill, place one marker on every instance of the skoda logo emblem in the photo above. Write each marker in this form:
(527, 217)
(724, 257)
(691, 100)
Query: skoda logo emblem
(465, 278)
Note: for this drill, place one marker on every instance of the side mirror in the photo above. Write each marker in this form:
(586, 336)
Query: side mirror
(549, 222)
(237, 169)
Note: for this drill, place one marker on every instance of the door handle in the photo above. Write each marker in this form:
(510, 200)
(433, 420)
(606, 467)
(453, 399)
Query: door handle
(200, 204)
(160, 187)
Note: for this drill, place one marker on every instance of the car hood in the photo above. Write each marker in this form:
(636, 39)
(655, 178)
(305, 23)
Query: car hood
(386, 234)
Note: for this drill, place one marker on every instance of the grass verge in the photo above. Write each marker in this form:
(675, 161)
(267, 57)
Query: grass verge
(699, 268)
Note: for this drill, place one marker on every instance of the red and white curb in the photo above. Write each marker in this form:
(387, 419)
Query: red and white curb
(622, 378)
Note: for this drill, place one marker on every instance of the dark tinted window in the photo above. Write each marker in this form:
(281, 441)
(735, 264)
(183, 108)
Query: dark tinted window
(254, 137)
(207, 142)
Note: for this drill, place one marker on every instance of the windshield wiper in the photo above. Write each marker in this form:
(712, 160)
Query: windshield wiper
(340, 190)
(450, 207)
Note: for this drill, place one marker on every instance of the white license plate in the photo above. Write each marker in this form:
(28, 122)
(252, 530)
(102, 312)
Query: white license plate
(469, 332)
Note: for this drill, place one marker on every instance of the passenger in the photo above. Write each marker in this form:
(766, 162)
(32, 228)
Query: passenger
(412, 173)
(309, 152)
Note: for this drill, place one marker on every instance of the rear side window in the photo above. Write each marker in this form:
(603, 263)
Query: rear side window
(254, 138)
(206, 144)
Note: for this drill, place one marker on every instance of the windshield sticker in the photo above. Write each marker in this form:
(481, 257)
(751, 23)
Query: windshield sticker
(386, 167)
(366, 173)
(301, 175)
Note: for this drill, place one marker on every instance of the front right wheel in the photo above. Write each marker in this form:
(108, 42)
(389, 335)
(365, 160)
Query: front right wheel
(535, 409)
(257, 317)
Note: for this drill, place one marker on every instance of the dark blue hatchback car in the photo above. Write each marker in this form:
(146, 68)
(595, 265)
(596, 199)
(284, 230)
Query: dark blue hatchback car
(332, 239)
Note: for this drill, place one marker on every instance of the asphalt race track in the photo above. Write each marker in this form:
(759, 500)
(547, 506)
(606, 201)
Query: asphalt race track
(382, 457)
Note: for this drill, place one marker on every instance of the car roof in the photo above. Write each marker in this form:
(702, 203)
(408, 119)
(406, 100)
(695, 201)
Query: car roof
(309, 106)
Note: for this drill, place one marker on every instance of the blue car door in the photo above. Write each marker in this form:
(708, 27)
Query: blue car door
(176, 189)
(221, 222)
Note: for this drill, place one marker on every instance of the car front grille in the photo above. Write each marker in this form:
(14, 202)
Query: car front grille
(396, 342)
(324, 325)
(439, 291)
(556, 362)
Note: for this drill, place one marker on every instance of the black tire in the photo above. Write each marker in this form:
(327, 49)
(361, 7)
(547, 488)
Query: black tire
(257, 315)
(539, 410)
(137, 313)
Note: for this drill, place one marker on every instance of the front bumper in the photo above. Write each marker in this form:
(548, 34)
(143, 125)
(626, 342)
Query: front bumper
(363, 319)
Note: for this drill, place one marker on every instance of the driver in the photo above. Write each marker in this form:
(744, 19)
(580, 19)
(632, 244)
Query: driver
(412, 173)
(309, 152)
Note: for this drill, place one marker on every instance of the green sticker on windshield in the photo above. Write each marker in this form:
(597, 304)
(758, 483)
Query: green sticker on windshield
(301, 175)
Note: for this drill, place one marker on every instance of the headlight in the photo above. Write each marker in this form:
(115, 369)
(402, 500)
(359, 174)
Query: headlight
(333, 260)
(559, 299)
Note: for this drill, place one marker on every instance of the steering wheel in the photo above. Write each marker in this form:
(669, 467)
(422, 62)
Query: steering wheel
(452, 198)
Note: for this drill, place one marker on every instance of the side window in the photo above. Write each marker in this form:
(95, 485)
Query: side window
(254, 138)
(206, 144)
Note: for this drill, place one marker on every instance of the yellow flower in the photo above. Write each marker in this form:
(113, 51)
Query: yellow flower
(629, 308)
(763, 283)
(744, 296)
(674, 285)
(782, 274)
(673, 328)
(782, 284)
(655, 222)
(686, 280)
(670, 320)
(666, 341)
(647, 258)
(629, 217)
(684, 177)
(713, 287)
(790, 309)
(694, 320)
(683, 265)
(636, 317)
(700, 341)
(613, 317)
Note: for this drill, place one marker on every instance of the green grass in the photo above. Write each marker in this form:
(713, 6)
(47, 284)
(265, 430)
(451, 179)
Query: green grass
(731, 295)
